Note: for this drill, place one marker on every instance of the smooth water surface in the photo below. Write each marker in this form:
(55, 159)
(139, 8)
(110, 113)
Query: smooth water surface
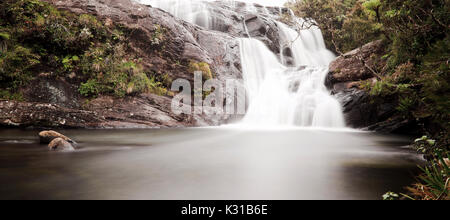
(206, 163)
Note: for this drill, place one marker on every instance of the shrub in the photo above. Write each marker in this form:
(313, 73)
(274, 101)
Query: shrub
(434, 183)
(90, 88)
(203, 67)
(43, 38)
(16, 67)
(4, 36)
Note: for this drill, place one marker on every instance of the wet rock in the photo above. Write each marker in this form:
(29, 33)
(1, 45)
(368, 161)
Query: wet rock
(349, 67)
(60, 144)
(44, 115)
(46, 137)
(361, 110)
(260, 23)
(56, 91)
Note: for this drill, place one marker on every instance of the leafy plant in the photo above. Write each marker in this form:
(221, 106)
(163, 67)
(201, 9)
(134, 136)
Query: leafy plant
(90, 88)
(434, 183)
(391, 196)
(405, 104)
(16, 67)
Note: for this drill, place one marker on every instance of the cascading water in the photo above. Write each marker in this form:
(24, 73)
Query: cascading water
(192, 11)
(279, 93)
(294, 95)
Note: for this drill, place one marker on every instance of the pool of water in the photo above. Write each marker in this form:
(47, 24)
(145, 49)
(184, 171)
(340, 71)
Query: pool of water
(206, 163)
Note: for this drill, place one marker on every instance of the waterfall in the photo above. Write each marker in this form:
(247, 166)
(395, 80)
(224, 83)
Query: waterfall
(280, 95)
(294, 96)
(192, 11)
(279, 92)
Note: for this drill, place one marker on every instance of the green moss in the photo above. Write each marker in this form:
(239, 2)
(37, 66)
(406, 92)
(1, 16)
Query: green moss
(203, 67)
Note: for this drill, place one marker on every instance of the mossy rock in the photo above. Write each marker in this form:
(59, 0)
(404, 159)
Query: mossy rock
(203, 67)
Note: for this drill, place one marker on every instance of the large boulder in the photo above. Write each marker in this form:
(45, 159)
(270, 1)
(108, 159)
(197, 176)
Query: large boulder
(46, 137)
(361, 110)
(346, 73)
(242, 20)
(354, 66)
(60, 144)
(58, 91)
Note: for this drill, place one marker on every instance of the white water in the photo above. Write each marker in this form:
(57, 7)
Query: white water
(281, 95)
(278, 94)
(294, 96)
(197, 12)
(192, 11)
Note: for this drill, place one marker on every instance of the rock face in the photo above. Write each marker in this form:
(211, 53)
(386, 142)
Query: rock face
(361, 110)
(55, 102)
(28, 114)
(259, 22)
(59, 144)
(46, 137)
(54, 91)
(185, 41)
(350, 67)
(142, 111)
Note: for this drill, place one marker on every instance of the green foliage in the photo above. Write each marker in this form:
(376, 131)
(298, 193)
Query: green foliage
(16, 67)
(391, 196)
(416, 35)
(372, 6)
(434, 183)
(5, 94)
(346, 24)
(382, 88)
(425, 145)
(203, 67)
(406, 104)
(34, 36)
(4, 36)
(414, 26)
(90, 88)
(69, 61)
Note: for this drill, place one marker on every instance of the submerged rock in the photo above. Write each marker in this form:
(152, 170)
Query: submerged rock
(60, 144)
(46, 137)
